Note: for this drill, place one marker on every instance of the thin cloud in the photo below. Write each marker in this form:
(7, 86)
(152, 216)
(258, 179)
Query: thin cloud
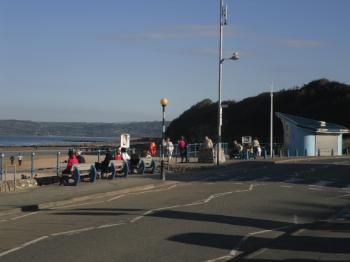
(178, 32)
(302, 43)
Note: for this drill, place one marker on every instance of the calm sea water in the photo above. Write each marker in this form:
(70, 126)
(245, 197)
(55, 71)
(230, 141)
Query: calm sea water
(51, 140)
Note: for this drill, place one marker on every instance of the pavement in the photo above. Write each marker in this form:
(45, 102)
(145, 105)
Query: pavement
(242, 211)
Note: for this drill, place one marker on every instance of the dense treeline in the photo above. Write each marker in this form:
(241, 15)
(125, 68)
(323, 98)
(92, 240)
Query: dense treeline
(320, 99)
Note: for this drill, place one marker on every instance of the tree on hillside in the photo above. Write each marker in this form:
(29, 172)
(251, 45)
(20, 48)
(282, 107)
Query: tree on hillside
(320, 99)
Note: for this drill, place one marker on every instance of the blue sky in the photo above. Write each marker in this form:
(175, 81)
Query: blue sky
(112, 60)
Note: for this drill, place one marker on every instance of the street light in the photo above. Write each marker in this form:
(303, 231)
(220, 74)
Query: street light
(163, 103)
(235, 56)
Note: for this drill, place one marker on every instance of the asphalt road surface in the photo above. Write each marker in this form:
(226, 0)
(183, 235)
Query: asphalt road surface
(251, 211)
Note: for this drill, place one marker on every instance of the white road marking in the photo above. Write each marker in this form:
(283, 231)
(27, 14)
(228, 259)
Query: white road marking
(257, 253)
(77, 205)
(321, 183)
(286, 186)
(235, 251)
(315, 188)
(114, 198)
(341, 196)
(298, 232)
(77, 231)
(110, 225)
(26, 215)
(23, 245)
(73, 232)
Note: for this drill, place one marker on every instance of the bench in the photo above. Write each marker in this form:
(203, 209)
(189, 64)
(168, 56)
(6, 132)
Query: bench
(147, 163)
(81, 170)
(119, 166)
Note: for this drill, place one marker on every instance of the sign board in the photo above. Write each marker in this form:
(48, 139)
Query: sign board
(246, 140)
(125, 140)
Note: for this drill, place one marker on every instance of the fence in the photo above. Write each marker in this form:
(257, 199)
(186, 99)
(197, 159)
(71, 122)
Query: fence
(44, 162)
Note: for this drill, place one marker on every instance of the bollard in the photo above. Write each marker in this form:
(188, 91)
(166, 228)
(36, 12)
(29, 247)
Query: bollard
(319, 152)
(2, 155)
(273, 153)
(98, 155)
(332, 153)
(247, 154)
(296, 152)
(32, 165)
(58, 163)
(265, 154)
(288, 155)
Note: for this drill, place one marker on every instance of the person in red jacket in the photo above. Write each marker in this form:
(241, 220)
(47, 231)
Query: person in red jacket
(153, 148)
(182, 144)
(72, 160)
(118, 155)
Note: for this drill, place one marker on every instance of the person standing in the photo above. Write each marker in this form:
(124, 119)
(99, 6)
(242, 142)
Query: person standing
(20, 159)
(256, 146)
(169, 148)
(12, 159)
(153, 149)
(182, 144)
(208, 143)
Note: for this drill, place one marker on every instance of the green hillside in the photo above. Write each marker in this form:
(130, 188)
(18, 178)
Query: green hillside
(320, 99)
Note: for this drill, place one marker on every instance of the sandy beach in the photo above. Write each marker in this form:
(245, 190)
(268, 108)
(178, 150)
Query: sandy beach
(45, 159)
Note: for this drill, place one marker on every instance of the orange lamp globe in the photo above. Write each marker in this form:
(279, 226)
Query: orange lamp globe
(164, 101)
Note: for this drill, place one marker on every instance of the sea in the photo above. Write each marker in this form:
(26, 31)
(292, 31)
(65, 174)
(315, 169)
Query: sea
(52, 140)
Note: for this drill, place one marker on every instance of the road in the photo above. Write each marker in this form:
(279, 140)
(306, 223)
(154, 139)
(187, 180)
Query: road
(251, 211)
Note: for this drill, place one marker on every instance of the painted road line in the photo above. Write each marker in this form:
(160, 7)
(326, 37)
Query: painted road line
(115, 198)
(237, 249)
(23, 245)
(322, 183)
(73, 232)
(111, 225)
(77, 205)
(26, 215)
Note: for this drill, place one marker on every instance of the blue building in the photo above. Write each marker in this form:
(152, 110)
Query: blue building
(304, 136)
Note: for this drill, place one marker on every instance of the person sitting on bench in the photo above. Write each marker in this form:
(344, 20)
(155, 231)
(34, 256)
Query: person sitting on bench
(72, 160)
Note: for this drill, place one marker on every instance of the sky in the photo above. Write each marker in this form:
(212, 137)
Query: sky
(113, 60)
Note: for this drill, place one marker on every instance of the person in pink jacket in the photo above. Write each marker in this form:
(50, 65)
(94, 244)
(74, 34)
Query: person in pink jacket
(72, 160)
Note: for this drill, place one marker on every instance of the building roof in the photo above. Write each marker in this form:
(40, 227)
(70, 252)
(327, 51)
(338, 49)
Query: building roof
(314, 125)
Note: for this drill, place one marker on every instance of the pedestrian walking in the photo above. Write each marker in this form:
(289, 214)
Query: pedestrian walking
(169, 148)
(182, 144)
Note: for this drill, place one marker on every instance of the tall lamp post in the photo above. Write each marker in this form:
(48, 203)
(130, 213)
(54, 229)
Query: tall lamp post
(163, 103)
(271, 122)
(235, 56)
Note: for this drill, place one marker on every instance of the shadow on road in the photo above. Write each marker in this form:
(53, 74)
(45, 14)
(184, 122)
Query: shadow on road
(326, 174)
(322, 237)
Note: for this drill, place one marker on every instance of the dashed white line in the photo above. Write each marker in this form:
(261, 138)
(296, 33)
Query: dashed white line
(110, 225)
(72, 232)
(26, 215)
(114, 198)
(23, 245)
